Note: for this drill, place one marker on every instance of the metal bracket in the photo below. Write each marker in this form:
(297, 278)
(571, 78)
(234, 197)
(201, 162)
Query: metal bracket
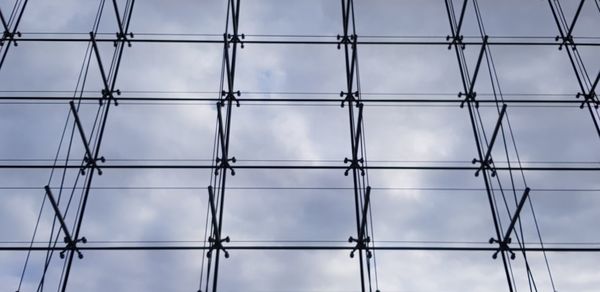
(568, 38)
(457, 38)
(217, 244)
(470, 94)
(122, 34)
(107, 91)
(354, 164)
(89, 159)
(68, 239)
(7, 34)
(10, 37)
(349, 97)
(503, 244)
(486, 162)
(224, 164)
(469, 97)
(230, 96)
(235, 39)
(346, 40)
(361, 244)
(591, 97)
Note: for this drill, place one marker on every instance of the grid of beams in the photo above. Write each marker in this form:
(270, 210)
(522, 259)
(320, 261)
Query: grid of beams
(79, 159)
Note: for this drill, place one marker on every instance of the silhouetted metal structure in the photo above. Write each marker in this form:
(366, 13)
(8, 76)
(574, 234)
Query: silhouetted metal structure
(507, 243)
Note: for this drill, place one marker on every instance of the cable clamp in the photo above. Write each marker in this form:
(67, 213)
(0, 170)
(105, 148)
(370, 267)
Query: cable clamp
(346, 39)
(354, 164)
(123, 37)
(567, 40)
(72, 245)
(10, 36)
(224, 164)
(230, 96)
(349, 97)
(361, 244)
(589, 98)
(92, 163)
(503, 246)
(468, 98)
(455, 40)
(110, 96)
(486, 164)
(217, 244)
(235, 38)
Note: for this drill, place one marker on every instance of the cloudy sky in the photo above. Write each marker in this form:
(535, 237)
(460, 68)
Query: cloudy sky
(266, 207)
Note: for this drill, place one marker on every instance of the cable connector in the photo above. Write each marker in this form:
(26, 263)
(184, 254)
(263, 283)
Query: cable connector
(346, 39)
(503, 246)
(456, 40)
(224, 164)
(235, 38)
(567, 40)
(72, 245)
(468, 97)
(354, 164)
(9, 36)
(589, 98)
(486, 164)
(217, 244)
(230, 96)
(92, 163)
(110, 96)
(123, 37)
(361, 244)
(349, 97)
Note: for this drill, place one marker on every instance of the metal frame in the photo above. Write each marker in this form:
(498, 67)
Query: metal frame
(361, 244)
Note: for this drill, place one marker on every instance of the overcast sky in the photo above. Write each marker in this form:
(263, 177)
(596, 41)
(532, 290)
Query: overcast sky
(404, 205)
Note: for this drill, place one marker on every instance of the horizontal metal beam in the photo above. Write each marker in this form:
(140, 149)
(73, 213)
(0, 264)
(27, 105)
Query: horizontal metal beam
(315, 167)
(306, 247)
(311, 100)
(306, 42)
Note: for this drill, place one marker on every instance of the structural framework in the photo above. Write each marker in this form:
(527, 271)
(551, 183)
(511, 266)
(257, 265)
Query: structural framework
(76, 181)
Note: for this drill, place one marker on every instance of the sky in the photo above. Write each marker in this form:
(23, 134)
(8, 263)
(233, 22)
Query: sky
(266, 206)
